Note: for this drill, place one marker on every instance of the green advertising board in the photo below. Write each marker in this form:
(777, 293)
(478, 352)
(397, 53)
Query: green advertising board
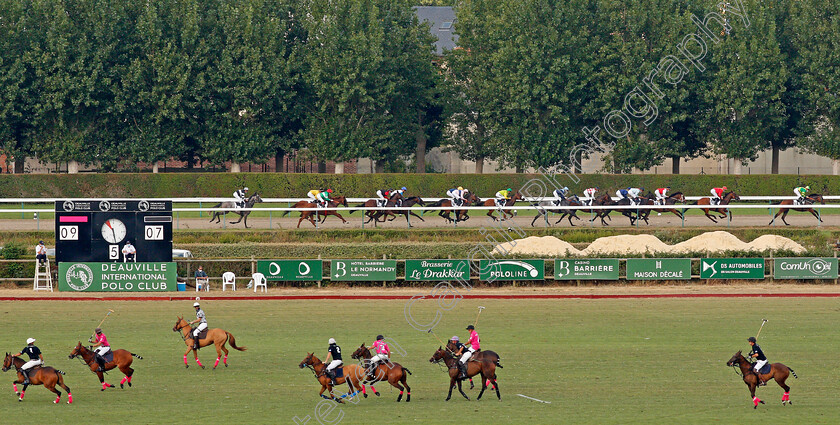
(805, 268)
(117, 277)
(437, 270)
(385, 270)
(492, 270)
(291, 270)
(732, 268)
(586, 269)
(659, 269)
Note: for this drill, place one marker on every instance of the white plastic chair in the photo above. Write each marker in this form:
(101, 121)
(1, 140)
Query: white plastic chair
(259, 280)
(202, 283)
(228, 278)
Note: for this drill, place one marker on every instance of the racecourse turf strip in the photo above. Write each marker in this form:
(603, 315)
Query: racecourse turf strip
(596, 361)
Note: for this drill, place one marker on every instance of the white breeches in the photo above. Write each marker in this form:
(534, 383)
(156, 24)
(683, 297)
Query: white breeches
(30, 364)
(798, 195)
(759, 364)
(466, 357)
(714, 194)
(102, 350)
(334, 364)
(312, 197)
(380, 195)
(199, 328)
(378, 358)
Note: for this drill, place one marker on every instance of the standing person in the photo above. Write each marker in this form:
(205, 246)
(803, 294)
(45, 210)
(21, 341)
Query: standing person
(102, 347)
(202, 324)
(35, 359)
(589, 195)
(240, 196)
(128, 251)
(661, 194)
(717, 194)
(383, 352)
(475, 345)
(41, 252)
(800, 194)
(335, 354)
(760, 359)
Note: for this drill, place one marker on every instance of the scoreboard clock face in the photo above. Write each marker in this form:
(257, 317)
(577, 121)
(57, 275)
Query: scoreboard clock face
(97, 230)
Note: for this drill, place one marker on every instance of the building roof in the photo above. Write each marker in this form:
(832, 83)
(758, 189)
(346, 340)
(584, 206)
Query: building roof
(442, 20)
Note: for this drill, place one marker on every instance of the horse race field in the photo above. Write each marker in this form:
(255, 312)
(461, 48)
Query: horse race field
(627, 360)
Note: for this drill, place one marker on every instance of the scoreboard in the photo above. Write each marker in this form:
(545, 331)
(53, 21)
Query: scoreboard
(96, 230)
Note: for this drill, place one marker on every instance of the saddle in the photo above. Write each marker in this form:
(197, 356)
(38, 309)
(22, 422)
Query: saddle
(381, 202)
(201, 335)
(109, 356)
(766, 369)
(339, 372)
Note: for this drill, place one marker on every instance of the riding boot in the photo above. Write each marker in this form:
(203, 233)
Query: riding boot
(25, 376)
(331, 375)
(463, 368)
(195, 343)
(101, 361)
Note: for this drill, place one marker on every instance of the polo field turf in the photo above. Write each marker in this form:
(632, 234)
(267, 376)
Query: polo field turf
(595, 361)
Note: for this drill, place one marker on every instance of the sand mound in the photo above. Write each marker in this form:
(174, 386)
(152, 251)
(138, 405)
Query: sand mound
(775, 243)
(710, 242)
(626, 244)
(534, 245)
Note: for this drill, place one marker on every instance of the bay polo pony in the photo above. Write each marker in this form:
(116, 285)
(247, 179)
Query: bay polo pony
(122, 360)
(215, 336)
(40, 375)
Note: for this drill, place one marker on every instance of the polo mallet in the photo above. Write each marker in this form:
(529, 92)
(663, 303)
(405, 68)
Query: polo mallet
(100, 324)
(436, 337)
(759, 329)
(481, 307)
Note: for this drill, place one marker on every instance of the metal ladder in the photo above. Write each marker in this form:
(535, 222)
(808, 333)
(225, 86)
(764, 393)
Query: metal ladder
(43, 277)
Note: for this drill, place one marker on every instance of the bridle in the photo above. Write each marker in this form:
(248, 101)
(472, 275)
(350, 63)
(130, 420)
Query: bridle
(81, 356)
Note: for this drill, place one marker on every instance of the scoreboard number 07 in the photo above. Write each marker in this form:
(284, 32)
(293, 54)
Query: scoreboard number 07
(154, 233)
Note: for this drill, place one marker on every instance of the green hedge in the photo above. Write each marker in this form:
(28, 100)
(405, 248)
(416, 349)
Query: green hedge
(359, 185)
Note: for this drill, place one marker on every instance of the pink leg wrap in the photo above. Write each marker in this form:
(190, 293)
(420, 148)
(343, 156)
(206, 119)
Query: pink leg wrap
(363, 390)
(22, 393)
(217, 362)
(129, 379)
(15, 387)
(185, 359)
(69, 398)
(124, 380)
(372, 389)
(105, 385)
(786, 397)
(199, 362)
(401, 392)
(225, 360)
(57, 400)
(756, 400)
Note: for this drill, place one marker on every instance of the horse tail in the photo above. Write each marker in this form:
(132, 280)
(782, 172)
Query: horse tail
(61, 372)
(135, 355)
(794, 373)
(409, 372)
(686, 209)
(232, 341)
(496, 362)
(284, 213)
(357, 206)
(434, 204)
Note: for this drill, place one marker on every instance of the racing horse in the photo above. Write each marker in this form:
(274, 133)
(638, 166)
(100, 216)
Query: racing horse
(374, 215)
(122, 360)
(460, 215)
(564, 202)
(603, 200)
(809, 200)
(394, 373)
(353, 376)
(243, 214)
(650, 199)
(727, 198)
(486, 369)
(215, 336)
(40, 375)
(307, 215)
(491, 202)
(778, 371)
(409, 202)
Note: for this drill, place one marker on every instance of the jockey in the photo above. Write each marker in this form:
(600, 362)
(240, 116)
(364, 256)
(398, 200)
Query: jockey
(202, 324)
(633, 194)
(457, 195)
(589, 195)
(35, 359)
(102, 348)
(335, 353)
(760, 359)
(717, 194)
(800, 194)
(502, 196)
(561, 194)
(319, 197)
(383, 195)
(474, 346)
(661, 194)
(401, 191)
(383, 352)
(240, 196)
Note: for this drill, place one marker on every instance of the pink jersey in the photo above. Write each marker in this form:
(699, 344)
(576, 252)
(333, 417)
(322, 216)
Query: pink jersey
(381, 347)
(101, 338)
(474, 342)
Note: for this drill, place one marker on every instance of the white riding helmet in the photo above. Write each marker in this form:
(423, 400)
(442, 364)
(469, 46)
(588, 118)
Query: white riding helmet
(245, 189)
(30, 341)
(195, 304)
(454, 338)
(332, 341)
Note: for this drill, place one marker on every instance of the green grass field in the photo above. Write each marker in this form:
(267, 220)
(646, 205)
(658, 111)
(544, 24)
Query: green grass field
(596, 361)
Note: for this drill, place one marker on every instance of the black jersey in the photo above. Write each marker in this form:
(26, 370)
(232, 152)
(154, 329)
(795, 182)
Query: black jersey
(757, 350)
(335, 351)
(32, 351)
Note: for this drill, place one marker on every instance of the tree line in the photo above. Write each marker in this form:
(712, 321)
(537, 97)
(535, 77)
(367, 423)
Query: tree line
(117, 82)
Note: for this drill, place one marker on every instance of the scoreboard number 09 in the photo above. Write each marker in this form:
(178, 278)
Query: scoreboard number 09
(68, 233)
(154, 233)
